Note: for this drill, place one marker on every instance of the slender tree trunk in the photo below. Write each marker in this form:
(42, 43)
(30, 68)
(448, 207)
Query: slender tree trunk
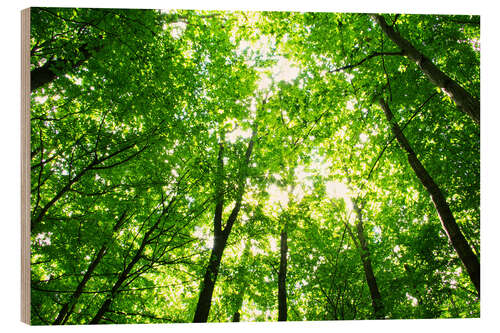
(236, 317)
(457, 239)
(66, 310)
(208, 284)
(282, 307)
(378, 306)
(121, 279)
(212, 270)
(464, 101)
(241, 295)
(114, 291)
(220, 234)
(36, 220)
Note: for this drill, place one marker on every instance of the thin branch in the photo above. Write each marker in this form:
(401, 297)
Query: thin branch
(374, 54)
(402, 129)
(395, 19)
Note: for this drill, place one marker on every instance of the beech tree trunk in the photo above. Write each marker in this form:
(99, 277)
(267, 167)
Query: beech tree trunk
(464, 101)
(66, 310)
(121, 279)
(208, 284)
(378, 306)
(457, 239)
(282, 307)
(220, 234)
(236, 317)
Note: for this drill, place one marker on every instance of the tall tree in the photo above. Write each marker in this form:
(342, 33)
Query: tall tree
(221, 233)
(242, 283)
(463, 99)
(364, 252)
(457, 239)
(282, 306)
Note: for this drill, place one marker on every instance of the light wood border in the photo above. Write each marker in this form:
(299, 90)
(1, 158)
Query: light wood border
(25, 168)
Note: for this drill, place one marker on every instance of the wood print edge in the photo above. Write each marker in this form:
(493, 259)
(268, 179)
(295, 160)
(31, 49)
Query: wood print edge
(25, 167)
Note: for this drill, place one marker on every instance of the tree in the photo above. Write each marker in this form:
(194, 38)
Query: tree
(282, 314)
(214, 166)
(458, 94)
(456, 237)
(364, 253)
(221, 233)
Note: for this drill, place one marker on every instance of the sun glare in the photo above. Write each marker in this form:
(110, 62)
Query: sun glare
(337, 190)
(204, 235)
(238, 133)
(277, 196)
(283, 70)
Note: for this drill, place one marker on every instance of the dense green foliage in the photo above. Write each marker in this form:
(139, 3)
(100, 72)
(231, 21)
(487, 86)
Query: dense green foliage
(141, 123)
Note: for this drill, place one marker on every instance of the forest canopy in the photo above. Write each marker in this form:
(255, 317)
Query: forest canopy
(216, 166)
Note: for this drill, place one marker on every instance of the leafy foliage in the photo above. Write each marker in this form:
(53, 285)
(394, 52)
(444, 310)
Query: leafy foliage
(128, 116)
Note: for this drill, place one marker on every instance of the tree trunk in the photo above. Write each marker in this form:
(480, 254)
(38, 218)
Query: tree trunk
(121, 279)
(94, 165)
(208, 284)
(221, 234)
(378, 306)
(448, 222)
(114, 291)
(464, 101)
(282, 307)
(236, 317)
(35, 222)
(239, 303)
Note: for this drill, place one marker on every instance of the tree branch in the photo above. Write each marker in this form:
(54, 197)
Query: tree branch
(373, 55)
